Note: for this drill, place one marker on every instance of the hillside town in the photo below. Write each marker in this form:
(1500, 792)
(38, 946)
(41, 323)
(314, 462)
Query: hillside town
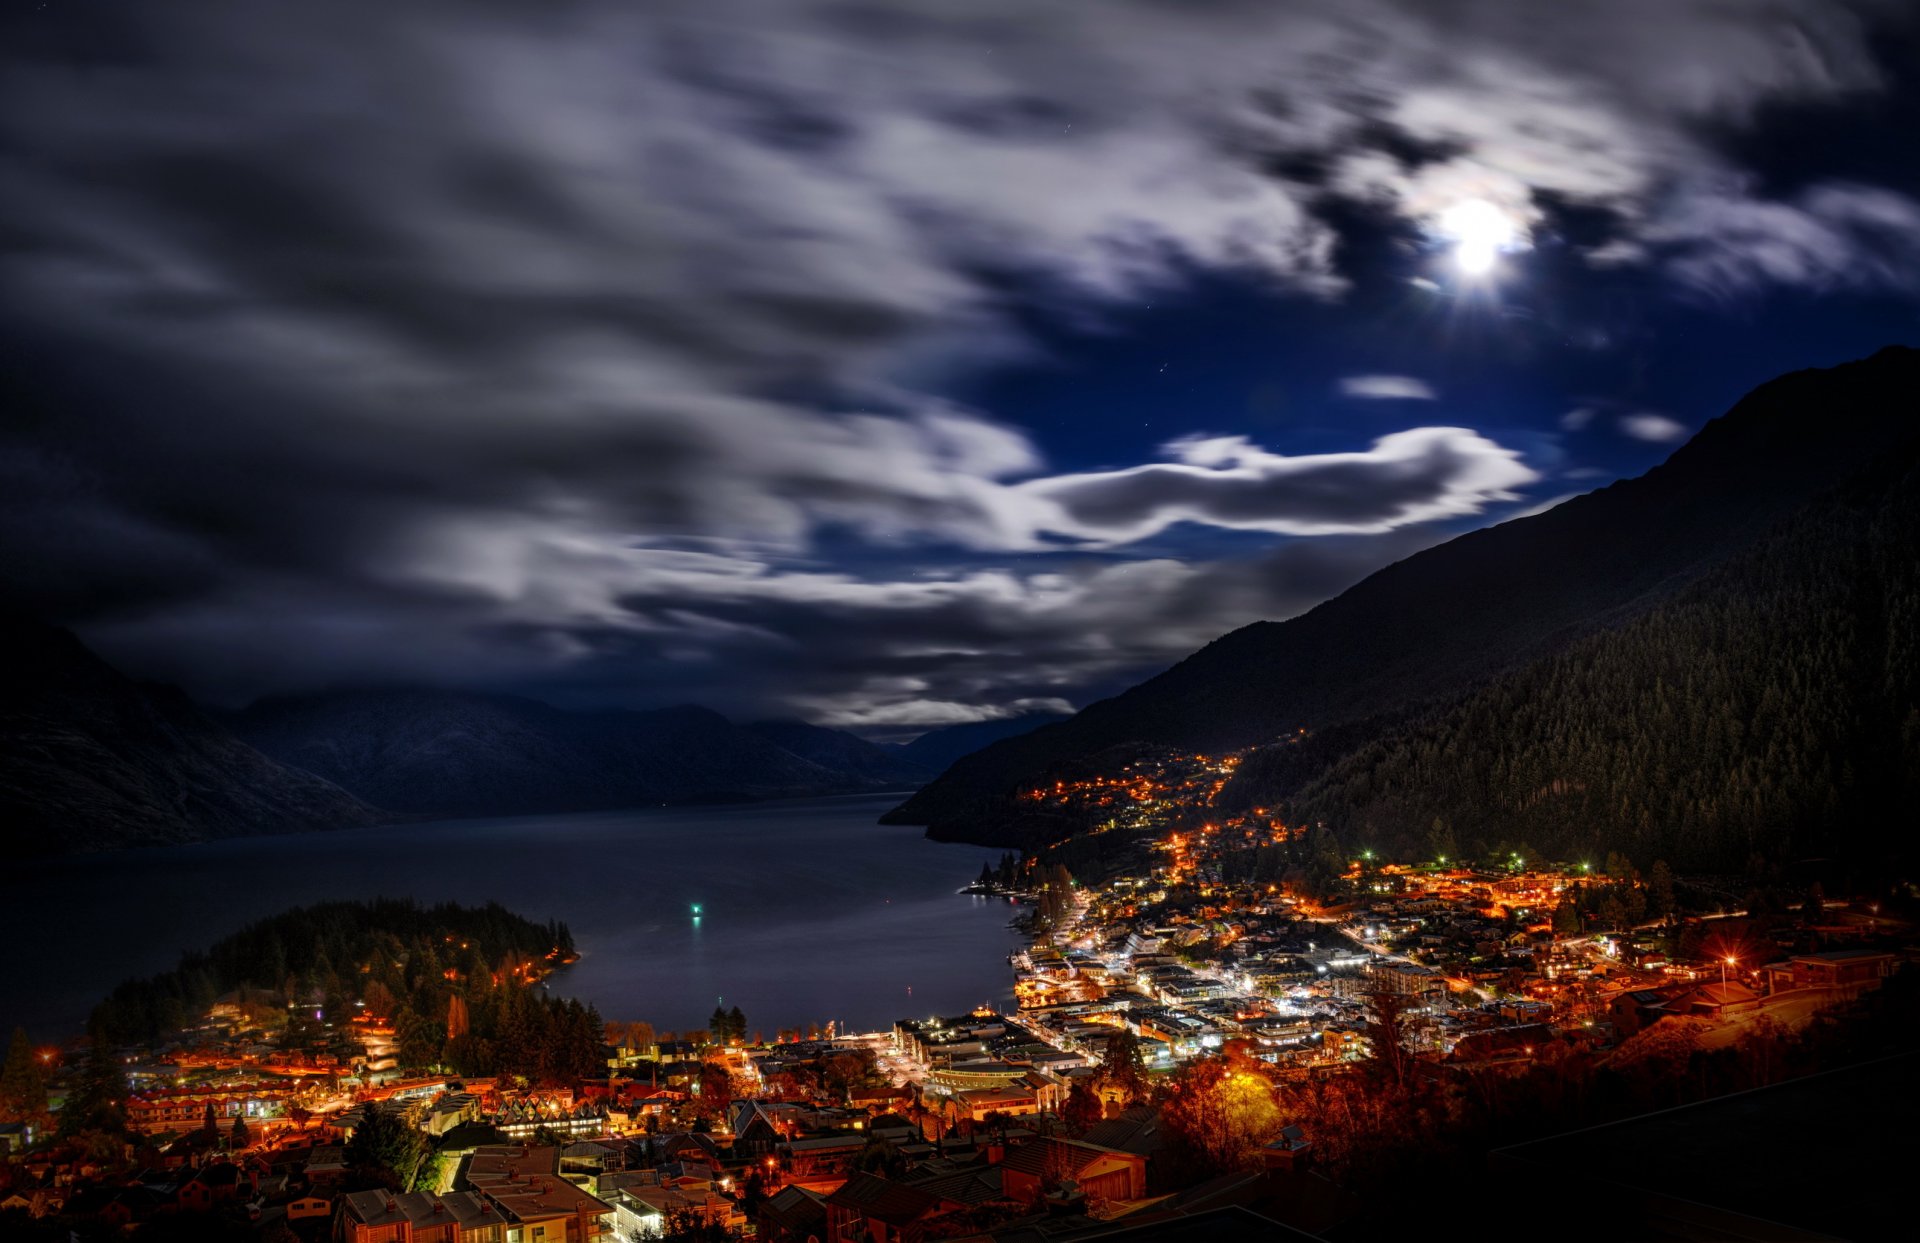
(1199, 1042)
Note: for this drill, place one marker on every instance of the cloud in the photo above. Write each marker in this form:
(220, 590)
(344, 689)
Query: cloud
(1655, 427)
(1387, 387)
(1722, 242)
(1414, 476)
(1577, 418)
(563, 345)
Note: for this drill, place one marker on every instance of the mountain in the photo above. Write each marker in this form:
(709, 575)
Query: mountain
(93, 760)
(1767, 711)
(851, 756)
(461, 753)
(937, 749)
(1416, 640)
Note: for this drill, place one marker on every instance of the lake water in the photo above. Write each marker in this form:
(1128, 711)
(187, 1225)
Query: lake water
(810, 910)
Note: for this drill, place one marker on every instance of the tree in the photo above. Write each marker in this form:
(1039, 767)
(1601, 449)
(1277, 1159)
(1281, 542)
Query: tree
(1566, 919)
(1660, 903)
(736, 1025)
(716, 1088)
(459, 1022)
(1219, 1112)
(23, 1082)
(1386, 1030)
(389, 1149)
(1126, 1065)
(210, 1121)
(98, 1100)
(1081, 1109)
(240, 1136)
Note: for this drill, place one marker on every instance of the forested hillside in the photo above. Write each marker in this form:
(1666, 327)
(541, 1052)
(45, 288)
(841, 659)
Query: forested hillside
(1771, 709)
(456, 983)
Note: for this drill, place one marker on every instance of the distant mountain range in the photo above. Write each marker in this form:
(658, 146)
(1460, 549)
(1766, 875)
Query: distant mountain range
(92, 760)
(1714, 661)
(937, 749)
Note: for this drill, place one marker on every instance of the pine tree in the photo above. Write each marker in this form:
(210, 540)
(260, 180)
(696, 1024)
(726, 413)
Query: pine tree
(239, 1135)
(736, 1025)
(23, 1082)
(99, 1097)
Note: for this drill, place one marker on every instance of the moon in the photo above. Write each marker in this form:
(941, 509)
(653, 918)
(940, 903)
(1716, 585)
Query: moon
(1479, 231)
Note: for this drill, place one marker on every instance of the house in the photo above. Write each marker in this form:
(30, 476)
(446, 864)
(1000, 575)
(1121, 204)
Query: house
(1638, 1009)
(1843, 969)
(418, 1217)
(647, 1211)
(1714, 1000)
(1135, 1130)
(520, 1182)
(793, 1215)
(754, 1132)
(306, 1207)
(1038, 1166)
(867, 1209)
(326, 1164)
(823, 1154)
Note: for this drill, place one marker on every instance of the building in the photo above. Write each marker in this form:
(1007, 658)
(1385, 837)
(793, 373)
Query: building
(1840, 969)
(417, 1217)
(793, 1215)
(521, 1184)
(867, 1209)
(175, 1111)
(1034, 1168)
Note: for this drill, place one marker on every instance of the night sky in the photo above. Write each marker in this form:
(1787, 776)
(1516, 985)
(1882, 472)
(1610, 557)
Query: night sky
(887, 364)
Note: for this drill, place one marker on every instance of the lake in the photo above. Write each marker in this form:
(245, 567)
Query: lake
(810, 911)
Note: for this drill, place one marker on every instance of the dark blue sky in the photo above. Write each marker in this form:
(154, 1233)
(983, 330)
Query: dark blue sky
(888, 365)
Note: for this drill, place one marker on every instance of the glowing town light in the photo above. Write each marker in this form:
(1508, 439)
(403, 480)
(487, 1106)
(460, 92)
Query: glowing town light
(1479, 231)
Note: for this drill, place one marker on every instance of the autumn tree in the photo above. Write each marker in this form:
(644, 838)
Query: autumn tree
(1081, 1109)
(1219, 1111)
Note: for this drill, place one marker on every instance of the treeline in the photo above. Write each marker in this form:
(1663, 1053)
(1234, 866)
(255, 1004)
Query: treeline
(455, 981)
(1769, 710)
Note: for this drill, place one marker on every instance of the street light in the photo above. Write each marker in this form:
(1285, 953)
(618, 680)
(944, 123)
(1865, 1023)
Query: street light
(1726, 962)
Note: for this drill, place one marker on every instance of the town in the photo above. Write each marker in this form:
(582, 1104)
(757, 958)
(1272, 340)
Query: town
(1205, 1036)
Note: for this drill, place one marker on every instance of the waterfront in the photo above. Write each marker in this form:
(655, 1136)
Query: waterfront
(810, 911)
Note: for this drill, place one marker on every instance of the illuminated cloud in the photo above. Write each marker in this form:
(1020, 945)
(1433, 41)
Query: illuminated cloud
(1655, 427)
(1387, 387)
(1414, 476)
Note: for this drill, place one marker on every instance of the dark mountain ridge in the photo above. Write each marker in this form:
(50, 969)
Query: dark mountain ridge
(849, 754)
(937, 749)
(1428, 629)
(91, 759)
(444, 752)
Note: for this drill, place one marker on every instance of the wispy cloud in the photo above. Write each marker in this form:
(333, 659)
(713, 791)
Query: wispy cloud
(1658, 428)
(1387, 387)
